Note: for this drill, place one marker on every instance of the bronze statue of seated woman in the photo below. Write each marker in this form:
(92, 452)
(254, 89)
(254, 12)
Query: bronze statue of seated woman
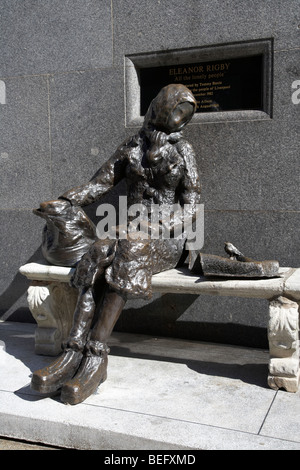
(159, 168)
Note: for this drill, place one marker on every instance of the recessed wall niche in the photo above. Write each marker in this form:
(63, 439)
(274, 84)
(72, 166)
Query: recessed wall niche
(230, 82)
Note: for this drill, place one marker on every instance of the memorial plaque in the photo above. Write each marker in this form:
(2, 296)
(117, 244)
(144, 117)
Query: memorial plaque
(220, 85)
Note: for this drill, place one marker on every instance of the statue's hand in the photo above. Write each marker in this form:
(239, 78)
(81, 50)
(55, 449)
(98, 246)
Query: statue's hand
(84, 274)
(93, 263)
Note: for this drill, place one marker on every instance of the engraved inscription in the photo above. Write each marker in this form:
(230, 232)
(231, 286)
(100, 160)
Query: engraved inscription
(223, 85)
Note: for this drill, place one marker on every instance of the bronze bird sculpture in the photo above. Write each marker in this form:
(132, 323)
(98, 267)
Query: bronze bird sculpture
(234, 253)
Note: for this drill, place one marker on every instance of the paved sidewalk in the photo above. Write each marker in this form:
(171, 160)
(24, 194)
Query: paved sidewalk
(161, 394)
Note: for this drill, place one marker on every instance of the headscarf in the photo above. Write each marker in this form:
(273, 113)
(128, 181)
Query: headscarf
(164, 103)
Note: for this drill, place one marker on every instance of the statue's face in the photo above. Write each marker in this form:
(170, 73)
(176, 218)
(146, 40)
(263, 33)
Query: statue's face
(180, 116)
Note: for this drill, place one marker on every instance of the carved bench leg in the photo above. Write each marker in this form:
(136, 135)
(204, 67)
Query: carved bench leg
(52, 306)
(283, 335)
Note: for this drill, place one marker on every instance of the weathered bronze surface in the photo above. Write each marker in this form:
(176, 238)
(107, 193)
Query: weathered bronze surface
(213, 265)
(68, 232)
(236, 266)
(159, 168)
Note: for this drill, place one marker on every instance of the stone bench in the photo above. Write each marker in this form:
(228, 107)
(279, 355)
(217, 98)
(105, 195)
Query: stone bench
(52, 302)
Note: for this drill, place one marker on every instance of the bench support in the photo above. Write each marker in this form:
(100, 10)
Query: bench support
(283, 335)
(52, 306)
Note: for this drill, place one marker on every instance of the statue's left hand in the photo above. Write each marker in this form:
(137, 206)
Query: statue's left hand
(93, 263)
(84, 274)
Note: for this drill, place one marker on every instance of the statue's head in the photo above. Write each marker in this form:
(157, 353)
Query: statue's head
(171, 110)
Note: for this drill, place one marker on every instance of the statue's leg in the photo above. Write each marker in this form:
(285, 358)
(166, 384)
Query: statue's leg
(93, 367)
(52, 377)
(82, 320)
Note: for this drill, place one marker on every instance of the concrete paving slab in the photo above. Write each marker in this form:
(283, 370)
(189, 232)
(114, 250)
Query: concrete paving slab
(161, 393)
(283, 420)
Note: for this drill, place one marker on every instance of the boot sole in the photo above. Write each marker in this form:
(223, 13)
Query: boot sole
(46, 389)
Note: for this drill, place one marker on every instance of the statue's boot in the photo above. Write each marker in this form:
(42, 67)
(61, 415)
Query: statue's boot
(93, 368)
(51, 378)
(91, 373)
